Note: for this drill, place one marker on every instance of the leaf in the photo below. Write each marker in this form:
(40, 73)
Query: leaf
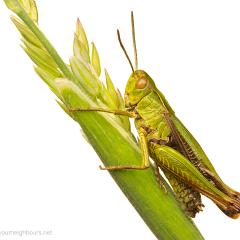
(49, 79)
(80, 50)
(84, 76)
(95, 60)
(111, 89)
(41, 63)
(26, 32)
(13, 5)
(31, 9)
(120, 99)
(81, 35)
(40, 55)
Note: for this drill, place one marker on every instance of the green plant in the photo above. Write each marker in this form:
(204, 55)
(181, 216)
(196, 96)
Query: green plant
(76, 85)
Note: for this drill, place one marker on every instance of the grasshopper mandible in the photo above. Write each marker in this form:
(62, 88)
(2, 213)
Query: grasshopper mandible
(170, 145)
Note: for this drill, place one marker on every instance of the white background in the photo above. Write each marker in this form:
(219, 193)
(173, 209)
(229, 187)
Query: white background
(49, 176)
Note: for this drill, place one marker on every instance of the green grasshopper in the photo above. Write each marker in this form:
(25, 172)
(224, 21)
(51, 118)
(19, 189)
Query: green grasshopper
(170, 145)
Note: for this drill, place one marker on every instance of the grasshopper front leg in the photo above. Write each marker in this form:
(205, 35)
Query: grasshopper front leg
(115, 111)
(142, 138)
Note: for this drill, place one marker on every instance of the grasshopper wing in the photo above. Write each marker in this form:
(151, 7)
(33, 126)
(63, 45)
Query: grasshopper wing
(192, 150)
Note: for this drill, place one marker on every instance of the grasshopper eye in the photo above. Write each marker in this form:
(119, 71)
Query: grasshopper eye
(141, 83)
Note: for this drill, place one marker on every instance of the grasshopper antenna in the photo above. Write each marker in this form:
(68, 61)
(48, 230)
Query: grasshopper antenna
(134, 41)
(124, 50)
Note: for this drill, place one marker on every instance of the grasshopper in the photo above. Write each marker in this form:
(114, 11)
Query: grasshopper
(173, 149)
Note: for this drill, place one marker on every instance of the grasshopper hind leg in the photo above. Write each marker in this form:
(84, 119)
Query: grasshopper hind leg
(218, 183)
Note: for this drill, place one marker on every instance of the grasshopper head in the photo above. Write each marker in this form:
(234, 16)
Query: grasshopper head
(139, 83)
(138, 86)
